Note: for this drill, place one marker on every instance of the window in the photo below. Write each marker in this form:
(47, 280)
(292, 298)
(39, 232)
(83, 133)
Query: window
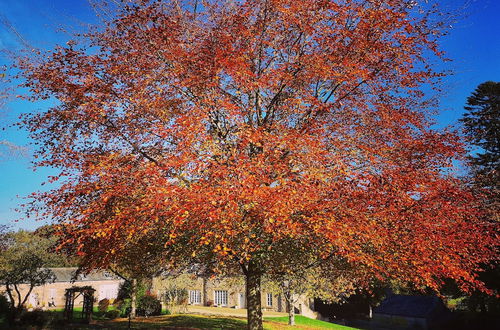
(108, 291)
(194, 297)
(220, 297)
(269, 299)
(242, 300)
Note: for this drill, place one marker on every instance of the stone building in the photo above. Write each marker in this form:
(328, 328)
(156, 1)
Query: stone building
(51, 295)
(225, 292)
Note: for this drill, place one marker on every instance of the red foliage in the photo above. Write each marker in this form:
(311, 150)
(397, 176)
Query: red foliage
(253, 122)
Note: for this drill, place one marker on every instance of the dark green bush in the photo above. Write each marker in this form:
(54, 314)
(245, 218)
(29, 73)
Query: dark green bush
(166, 312)
(148, 305)
(123, 306)
(112, 314)
(6, 312)
(103, 305)
(124, 291)
(4, 306)
(57, 321)
(37, 318)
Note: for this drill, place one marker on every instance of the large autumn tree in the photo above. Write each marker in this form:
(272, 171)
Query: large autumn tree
(226, 128)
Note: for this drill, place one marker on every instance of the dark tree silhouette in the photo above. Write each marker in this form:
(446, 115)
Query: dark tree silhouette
(482, 125)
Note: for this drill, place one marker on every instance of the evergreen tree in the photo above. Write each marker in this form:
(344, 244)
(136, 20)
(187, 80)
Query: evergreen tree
(482, 125)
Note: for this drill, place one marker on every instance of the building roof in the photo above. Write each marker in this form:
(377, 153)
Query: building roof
(412, 306)
(67, 274)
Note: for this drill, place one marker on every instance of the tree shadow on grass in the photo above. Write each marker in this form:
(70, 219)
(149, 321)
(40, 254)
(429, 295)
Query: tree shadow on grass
(183, 321)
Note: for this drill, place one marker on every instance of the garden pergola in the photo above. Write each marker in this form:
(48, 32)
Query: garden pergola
(88, 301)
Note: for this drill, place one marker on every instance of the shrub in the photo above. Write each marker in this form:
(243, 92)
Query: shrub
(4, 305)
(117, 302)
(209, 303)
(37, 318)
(176, 296)
(103, 305)
(148, 305)
(112, 314)
(124, 290)
(6, 312)
(166, 312)
(123, 306)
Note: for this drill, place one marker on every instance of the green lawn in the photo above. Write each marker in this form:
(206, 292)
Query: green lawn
(310, 323)
(219, 322)
(191, 322)
(77, 312)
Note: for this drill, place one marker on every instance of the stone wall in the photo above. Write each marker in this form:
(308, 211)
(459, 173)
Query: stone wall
(52, 295)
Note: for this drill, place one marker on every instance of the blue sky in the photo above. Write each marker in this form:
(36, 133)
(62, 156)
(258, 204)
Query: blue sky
(473, 44)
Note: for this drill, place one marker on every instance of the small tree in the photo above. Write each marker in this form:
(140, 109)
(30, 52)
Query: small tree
(23, 269)
(23, 260)
(149, 305)
(307, 276)
(174, 293)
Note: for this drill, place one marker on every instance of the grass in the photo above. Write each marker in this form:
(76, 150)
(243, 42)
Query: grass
(189, 321)
(77, 312)
(218, 322)
(307, 322)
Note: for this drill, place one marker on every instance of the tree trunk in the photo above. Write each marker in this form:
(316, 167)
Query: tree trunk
(289, 302)
(11, 296)
(254, 308)
(133, 298)
(19, 305)
(291, 313)
(10, 317)
(26, 298)
(205, 292)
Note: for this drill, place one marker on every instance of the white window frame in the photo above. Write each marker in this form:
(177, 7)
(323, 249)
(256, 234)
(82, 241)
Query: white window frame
(108, 291)
(269, 299)
(194, 297)
(220, 297)
(242, 300)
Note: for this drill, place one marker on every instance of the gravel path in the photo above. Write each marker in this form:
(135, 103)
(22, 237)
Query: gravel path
(238, 312)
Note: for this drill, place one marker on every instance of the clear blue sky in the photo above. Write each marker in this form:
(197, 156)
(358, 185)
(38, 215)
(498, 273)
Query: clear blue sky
(473, 44)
